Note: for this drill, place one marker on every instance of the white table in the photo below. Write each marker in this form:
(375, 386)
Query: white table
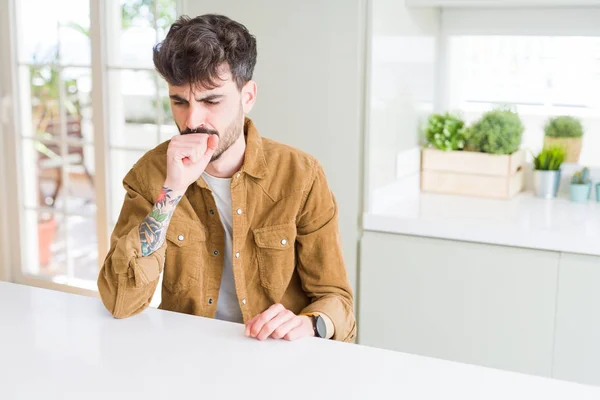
(55, 345)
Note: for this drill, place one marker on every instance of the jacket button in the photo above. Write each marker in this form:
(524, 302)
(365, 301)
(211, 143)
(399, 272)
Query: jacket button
(239, 211)
(238, 175)
(210, 301)
(212, 212)
(283, 242)
(216, 252)
(180, 238)
(237, 255)
(244, 301)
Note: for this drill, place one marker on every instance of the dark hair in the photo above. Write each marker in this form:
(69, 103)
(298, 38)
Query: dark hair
(195, 48)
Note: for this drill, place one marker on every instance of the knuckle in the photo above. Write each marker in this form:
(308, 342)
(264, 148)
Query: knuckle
(270, 326)
(277, 333)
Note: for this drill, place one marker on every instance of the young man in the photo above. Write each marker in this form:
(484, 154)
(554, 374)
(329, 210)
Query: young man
(244, 228)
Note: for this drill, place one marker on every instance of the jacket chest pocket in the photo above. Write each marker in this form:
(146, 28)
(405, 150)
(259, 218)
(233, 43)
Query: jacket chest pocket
(275, 248)
(186, 245)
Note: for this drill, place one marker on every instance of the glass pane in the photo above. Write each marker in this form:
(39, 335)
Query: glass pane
(80, 198)
(42, 173)
(165, 116)
(168, 131)
(83, 247)
(43, 83)
(44, 251)
(78, 103)
(166, 13)
(132, 109)
(121, 162)
(42, 107)
(135, 27)
(538, 76)
(54, 32)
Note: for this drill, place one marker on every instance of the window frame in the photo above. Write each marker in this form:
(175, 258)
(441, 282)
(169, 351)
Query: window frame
(12, 215)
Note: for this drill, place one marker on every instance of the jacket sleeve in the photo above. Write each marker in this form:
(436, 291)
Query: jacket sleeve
(127, 280)
(320, 260)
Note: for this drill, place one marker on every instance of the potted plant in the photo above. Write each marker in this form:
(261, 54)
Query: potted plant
(546, 174)
(445, 132)
(567, 132)
(581, 186)
(491, 164)
(497, 132)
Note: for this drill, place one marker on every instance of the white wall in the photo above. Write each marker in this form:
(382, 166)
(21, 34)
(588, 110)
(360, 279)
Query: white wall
(402, 75)
(310, 82)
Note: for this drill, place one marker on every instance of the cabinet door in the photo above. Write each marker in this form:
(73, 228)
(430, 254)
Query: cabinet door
(474, 303)
(577, 347)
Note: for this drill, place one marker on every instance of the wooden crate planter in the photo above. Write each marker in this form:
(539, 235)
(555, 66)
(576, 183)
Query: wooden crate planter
(472, 174)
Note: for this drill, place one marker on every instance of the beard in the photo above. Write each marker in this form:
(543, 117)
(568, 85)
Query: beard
(226, 138)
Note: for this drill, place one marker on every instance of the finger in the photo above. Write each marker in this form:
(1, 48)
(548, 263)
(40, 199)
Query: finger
(212, 143)
(265, 317)
(275, 323)
(304, 329)
(191, 138)
(249, 324)
(188, 154)
(285, 328)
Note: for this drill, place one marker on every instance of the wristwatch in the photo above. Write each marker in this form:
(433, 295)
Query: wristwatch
(319, 325)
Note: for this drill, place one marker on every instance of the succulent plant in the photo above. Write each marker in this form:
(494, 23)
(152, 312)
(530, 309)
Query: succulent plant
(581, 177)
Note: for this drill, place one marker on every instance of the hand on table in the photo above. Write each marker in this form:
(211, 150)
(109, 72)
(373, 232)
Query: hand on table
(278, 323)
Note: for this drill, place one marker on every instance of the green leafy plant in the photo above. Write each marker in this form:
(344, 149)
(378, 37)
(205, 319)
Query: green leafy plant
(445, 132)
(581, 177)
(549, 159)
(563, 127)
(497, 132)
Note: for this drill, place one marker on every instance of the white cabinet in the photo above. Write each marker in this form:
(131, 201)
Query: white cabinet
(577, 347)
(474, 303)
(502, 3)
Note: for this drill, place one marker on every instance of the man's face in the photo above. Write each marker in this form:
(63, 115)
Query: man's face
(219, 111)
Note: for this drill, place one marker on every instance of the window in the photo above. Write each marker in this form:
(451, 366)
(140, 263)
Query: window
(539, 76)
(58, 146)
(540, 61)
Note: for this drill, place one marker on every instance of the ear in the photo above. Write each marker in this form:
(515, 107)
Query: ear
(248, 96)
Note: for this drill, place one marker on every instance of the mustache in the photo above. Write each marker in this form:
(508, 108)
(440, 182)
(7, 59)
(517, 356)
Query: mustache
(188, 131)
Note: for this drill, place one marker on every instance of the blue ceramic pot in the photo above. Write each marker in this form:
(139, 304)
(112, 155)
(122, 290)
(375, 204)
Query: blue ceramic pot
(580, 193)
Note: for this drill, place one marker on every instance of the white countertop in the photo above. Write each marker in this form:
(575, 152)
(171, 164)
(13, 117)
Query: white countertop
(524, 221)
(55, 345)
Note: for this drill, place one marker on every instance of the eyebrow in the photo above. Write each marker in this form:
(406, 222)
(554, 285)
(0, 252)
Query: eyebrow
(210, 97)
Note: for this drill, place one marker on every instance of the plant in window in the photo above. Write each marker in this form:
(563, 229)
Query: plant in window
(497, 132)
(445, 132)
(567, 132)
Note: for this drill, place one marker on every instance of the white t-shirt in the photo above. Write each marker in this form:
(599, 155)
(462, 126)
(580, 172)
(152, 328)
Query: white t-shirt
(228, 308)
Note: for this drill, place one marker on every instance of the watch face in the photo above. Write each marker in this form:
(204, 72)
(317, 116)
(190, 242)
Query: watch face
(321, 327)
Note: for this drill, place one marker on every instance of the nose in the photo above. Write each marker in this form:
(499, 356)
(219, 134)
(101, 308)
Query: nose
(195, 117)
